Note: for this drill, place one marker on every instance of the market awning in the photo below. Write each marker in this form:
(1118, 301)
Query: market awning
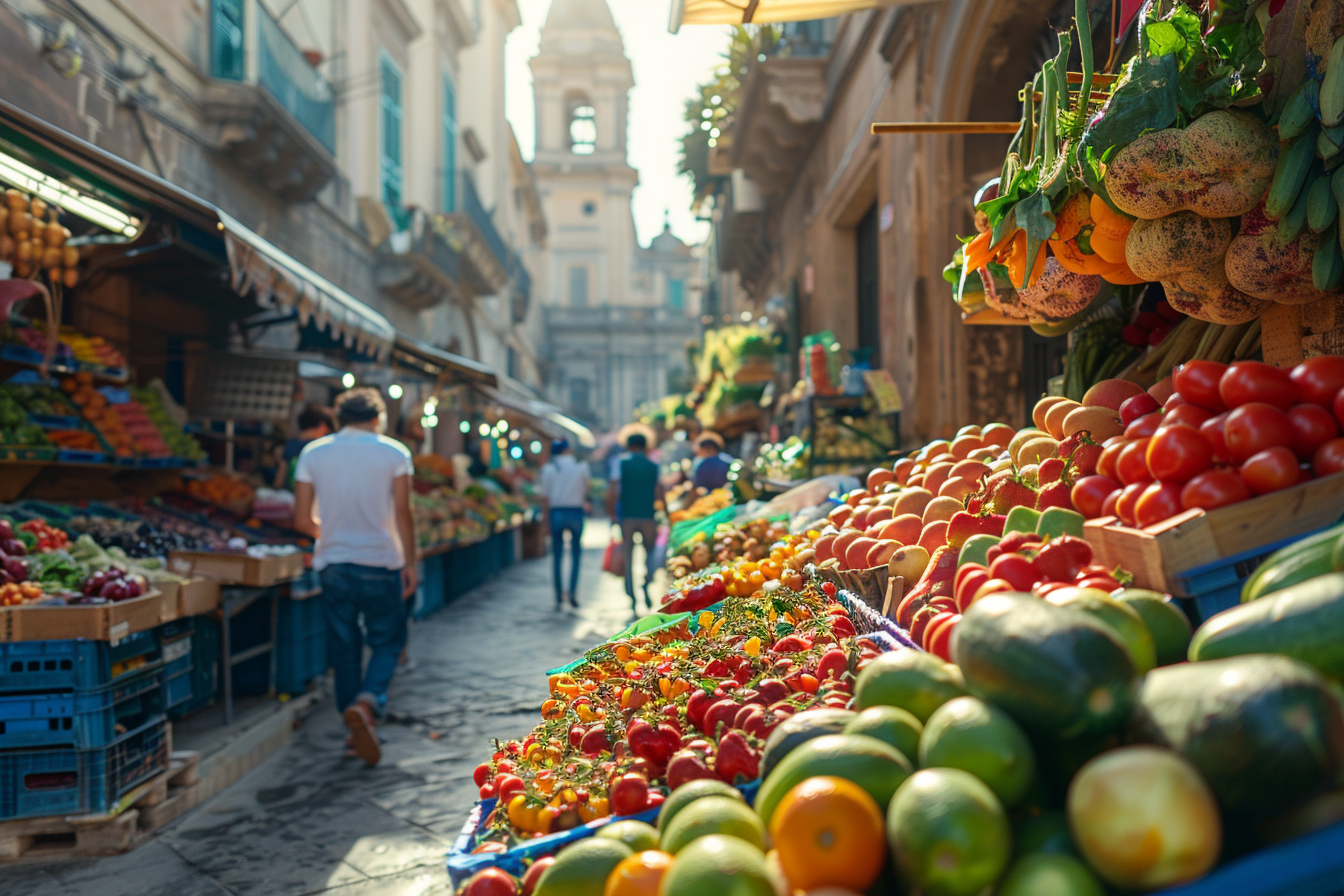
(513, 395)
(435, 362)
(277, 280)
(742, 12)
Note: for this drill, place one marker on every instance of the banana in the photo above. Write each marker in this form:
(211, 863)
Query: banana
(1291, 224)
(1299, 111)
(1332, 86)
(1322, 209)
(1290, 175)
(1327, 265)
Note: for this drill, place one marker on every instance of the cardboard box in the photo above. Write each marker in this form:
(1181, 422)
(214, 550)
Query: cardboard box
(97, 622)
(198, 597)
(237, 569)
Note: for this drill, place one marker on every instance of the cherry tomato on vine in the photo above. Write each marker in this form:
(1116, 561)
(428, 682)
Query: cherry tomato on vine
(1319, 379)
(1197, 383)
(1214, 488)
(1178, 454)
(1254, 427)
(1255, 381)
(1313, 426)
(1271, 470)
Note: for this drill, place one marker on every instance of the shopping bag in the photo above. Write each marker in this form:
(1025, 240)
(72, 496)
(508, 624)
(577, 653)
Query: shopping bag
(613, 561)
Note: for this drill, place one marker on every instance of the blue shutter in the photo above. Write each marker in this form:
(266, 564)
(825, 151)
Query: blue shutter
(390, 119)
(676, 297)
(226, 40)
(449, 145)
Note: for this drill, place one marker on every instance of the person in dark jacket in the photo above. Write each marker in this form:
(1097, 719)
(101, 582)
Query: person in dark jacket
(711, 463)
(635, 492)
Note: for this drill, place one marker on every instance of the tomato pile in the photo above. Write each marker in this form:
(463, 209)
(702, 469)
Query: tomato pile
(645, 714)
(1220, 435)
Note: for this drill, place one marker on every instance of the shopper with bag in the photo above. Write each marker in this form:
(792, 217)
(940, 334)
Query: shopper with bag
(635, 492)
(564, 485)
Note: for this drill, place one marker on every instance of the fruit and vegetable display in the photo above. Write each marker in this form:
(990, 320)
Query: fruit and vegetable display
(699, 505)
(34, 241)
(728, 542)
(445, 517)
(786, 461)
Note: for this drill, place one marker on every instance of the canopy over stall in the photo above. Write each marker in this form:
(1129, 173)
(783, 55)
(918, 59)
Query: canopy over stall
(514, 395)
(744, 12)
(441, 365)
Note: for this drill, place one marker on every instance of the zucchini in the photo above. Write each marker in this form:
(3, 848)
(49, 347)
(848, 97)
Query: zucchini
(1296, 563)
(1303, 622)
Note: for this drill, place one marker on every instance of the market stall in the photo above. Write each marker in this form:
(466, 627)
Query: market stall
(1088, 654)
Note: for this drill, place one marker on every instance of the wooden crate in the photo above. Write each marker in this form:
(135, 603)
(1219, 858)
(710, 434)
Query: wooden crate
(1157, 554)
(1290, 333)
(96, 622)
(237, 569)
(191, 598)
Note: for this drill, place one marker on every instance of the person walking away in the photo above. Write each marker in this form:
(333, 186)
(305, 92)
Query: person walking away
(314, 423)
(353, 495)
(711, 463)
(564, 486)
(634, 493)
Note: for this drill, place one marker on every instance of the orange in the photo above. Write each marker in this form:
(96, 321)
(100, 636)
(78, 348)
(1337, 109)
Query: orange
(638, 875)
(829, 833)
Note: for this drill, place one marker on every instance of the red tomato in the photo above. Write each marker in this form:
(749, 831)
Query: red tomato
(1108, 506)
(1271, 470)
(1144, 426)
(1104, 583)
(1131, 465)
(1212, 430)
(1138, 406)
(508, 786)
(1089, 494)
(1329, 458)
(1188, 414)
(482, 774)
(629, 794)
(1214, 488)
(1339, 407)
(1173, 402)
(1252, 428)
(1319, 379)
(1159, 501)
(1109, 455)
(1197, 383)
(1255, 381)
(1126, 503)
(1313, 426)
(940, 642)
(491, 882)
(1016, 570)
(933, 626)
(534, 873)
(1178, 453)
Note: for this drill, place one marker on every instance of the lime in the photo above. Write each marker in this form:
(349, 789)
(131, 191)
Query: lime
(1050, 874)
(870, 763)
(979, 738)
(713, 815)
(892, 724)
(635, 834)
(718, 865)
(1166, 623)
(688, 793)
(948, 833)
(582, 869)
(915, 681)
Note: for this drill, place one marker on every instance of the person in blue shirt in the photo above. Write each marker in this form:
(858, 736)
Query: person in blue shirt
(711, 463)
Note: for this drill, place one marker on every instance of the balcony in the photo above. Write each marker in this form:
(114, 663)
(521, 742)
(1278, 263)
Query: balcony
(418, 267)
(487, 261)
(618, 318)
(521, 292)
(742, 241)
(782, 102)
(268, 108)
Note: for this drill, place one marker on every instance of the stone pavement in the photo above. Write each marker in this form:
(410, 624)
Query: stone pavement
(310, 821)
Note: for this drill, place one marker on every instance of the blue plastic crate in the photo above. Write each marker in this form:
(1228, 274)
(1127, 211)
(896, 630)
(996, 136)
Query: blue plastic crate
(1208, 590)
(300, 646)
(204, 676)
(431, 597)
(71, 456)
(1312, 865)
(56, 665)
(38, 783)
(82, 719)
(177, 665)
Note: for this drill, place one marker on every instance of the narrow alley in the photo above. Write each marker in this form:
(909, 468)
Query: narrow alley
(308, 821)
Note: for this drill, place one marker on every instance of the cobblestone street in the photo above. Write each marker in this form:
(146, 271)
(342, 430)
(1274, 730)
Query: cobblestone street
(309, 821)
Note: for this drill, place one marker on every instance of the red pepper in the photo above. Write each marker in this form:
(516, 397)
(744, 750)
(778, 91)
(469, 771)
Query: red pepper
(963, 525)
(943, 571)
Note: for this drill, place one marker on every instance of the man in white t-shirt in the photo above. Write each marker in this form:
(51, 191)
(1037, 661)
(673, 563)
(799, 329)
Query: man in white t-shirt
(564, 485)
(352, 493)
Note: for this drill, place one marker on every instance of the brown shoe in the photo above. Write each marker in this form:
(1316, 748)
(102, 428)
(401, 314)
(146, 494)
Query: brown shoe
(359, 719)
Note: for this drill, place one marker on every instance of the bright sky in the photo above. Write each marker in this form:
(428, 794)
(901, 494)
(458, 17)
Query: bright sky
(667, 69)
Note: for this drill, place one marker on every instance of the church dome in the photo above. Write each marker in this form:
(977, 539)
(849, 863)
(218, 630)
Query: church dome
(667, 242)
(579, 14)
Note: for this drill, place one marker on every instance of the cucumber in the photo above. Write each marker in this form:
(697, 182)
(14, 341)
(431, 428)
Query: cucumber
(1291, 224)
(1322, 210)
(1298, 112)
(1303, 622)
(1060, 673)
(1302, 560)
(1290, 176)
(1265, 732)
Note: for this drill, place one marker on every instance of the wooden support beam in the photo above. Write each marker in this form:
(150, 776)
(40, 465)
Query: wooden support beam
(945, 127)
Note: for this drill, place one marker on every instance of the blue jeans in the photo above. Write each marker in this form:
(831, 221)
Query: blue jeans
(567, 519)
(348, 592)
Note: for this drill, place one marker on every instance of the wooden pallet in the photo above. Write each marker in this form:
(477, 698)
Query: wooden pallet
(144, 810)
